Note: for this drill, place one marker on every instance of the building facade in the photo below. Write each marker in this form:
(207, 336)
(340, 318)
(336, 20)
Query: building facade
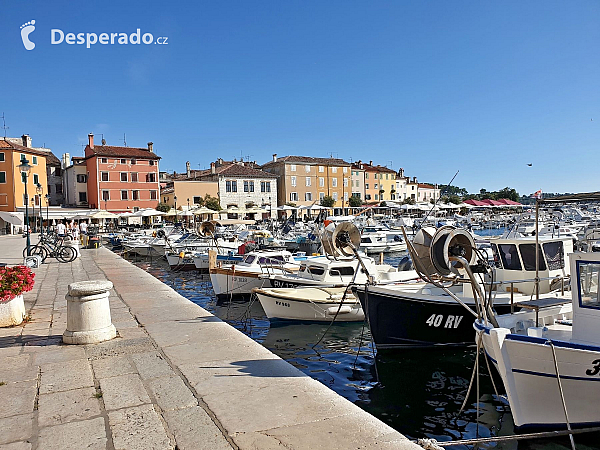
(357, 180)
(54, 175)
(121, 179)
(380, 183)
(188, 192)
(12, 180)
(427, 193)
(406, 187)
(75, 181)
(305, 180)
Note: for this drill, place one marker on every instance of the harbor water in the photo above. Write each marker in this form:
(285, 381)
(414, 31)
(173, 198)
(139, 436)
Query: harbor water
(419, 393)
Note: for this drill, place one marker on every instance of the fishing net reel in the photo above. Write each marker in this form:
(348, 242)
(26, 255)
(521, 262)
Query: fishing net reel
(207, 229)
(342, 240)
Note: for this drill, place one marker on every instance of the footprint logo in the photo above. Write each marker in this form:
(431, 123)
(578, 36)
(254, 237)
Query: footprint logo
(26, 30)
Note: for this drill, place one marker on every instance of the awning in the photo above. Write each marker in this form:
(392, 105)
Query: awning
(12, 217)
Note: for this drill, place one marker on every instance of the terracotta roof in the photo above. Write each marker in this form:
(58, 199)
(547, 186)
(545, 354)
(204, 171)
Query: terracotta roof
(426, 186)
(52, 160)
(378, 168)
(308, 160)
(231, 170)
(5, 143)
(121, 152)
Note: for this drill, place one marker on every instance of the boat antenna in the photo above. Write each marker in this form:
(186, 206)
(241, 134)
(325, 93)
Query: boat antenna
(436, 202)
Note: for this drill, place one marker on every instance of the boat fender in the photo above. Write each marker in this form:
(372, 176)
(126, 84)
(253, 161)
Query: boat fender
(154, 234)
(181, 254)
(333, 310)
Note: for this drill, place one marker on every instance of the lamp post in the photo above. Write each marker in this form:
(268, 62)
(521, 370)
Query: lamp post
(175, 200)
(47, 219)
(33, 213)
(40, 190)
(25, 168)
(187, 212)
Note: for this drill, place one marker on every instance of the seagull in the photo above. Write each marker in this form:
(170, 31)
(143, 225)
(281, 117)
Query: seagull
(529, 164)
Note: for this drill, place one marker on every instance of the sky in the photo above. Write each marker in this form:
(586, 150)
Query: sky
(480, 87)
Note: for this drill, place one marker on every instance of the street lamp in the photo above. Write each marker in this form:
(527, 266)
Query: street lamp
(175, 199)
(47, 219)
(25, 168)
(187, 212)
(33, 213)
(40, 190)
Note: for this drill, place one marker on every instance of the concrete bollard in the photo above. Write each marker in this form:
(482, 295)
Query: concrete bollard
(74, 243)
(88, 313)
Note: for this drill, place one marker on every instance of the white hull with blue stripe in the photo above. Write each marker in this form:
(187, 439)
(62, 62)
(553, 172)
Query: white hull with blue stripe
(554, 346)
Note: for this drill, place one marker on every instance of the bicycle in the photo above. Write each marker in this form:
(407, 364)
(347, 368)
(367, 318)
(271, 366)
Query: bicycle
(51, 246)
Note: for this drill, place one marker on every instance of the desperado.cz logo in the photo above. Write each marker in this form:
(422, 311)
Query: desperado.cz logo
(58, 36)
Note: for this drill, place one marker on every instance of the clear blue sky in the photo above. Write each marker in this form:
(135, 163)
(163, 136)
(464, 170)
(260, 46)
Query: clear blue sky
(483, 87)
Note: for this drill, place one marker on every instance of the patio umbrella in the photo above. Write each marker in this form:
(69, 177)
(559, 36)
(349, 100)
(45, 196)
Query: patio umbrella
(102, 215)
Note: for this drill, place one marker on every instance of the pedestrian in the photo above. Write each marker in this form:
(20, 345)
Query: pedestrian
(61, 229)
(83, 227)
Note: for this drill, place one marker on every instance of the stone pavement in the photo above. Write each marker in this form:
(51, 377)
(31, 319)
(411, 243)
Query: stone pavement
(175, 377)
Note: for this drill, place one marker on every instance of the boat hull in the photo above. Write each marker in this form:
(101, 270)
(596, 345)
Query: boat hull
(286, 307)
(526, 366)
(227, 282)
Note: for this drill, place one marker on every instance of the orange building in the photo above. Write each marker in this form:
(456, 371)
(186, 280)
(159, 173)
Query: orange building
(121, 178)
(12, 181)
(380, 182)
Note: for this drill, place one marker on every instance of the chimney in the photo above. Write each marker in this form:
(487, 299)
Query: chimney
(274, 157)
(151, 147)
(371, 162)
(401, 172)
(26, 140)
(103, 141)
(66, 160)
(91, 140)
(187, 169)
(213, 168)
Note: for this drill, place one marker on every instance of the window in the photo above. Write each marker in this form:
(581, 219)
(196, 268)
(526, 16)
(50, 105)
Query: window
(321, 182)
(133, 161)
(334, 182)
(345, 271)
(346, 182)
(124, 176)
(135, 195)
(334, 170)
(134, 177)
(376, 186)
(265, 186)
(528, 256)
(197, 200)
(376, 197)
(36, 179)
(335, 196)
(57, 171)
(124, 195)
(293, 167)
(104, 160)
(294, 181)
(151, 177)
(105, 195)
(2, 177)
(151, 162)
(104, 176)
(307, 168)
(345, 196)
(230, 186)
(293, 196)
(345, 170)
(367, 196)
(23, 177)
(154, 195)
(387, 175)
(588, 274)
(22, 157)
(509, 256)
(321, 195)
(123, 161)
(83, 197)
(248, 186)
(34, 160)
(2, 157)
(308, 196)
(366, 176)
(554, 255)
(59, 189)
(321, 169)
(308, 181)
(366, 185)
(316, 270)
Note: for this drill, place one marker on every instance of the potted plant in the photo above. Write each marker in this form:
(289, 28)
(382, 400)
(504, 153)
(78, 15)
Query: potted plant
(13, 282)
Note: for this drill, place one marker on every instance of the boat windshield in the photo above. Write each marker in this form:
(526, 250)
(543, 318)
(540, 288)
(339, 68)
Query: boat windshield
(341, 271)
(554, 255)
(528, 255)
(509, 256)
(589, 278)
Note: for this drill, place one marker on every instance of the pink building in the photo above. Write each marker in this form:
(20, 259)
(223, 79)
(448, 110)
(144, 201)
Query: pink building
(121, 179)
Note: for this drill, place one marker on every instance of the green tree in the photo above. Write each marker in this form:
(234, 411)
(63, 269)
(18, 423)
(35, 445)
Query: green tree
(327, 201)
(163, 207)
(409, 201)
(212, 203)
(355, 201)
(508, 193)
(453, 198)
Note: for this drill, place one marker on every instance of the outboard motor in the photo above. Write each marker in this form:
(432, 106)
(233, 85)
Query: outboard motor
(405, 264)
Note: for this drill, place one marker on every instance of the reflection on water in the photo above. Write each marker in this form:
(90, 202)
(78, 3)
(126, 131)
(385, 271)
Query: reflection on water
(419, 393)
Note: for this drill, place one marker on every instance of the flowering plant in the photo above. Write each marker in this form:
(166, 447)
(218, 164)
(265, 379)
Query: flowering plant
(14, 281)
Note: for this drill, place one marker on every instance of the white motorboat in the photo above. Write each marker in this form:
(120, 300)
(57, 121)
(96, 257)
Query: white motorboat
(375, 239)
(548, 355)
(310, 304)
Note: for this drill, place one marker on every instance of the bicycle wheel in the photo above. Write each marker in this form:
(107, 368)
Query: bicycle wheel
(36, 250)
(65, 254)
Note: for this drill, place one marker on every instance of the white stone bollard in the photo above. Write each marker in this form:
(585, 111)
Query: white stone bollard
(88, 313)
(74, 243)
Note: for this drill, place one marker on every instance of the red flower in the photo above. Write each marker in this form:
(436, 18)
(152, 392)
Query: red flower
(14, 281)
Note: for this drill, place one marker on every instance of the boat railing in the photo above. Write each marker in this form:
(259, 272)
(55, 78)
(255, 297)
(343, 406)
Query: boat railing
(527, 280)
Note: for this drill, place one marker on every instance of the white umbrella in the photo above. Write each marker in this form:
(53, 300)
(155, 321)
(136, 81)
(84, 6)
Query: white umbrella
(14, 218)
(204, 210)
(286, 208)
(103, 215)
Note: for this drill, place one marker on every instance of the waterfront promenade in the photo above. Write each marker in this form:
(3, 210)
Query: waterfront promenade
(175, 377)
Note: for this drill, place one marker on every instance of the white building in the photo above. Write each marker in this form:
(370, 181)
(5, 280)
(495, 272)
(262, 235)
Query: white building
(406, 187)
(74, 181)
(427, 192)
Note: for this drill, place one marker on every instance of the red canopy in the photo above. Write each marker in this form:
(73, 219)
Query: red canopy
(491, 202)
(475, 202)
(509, 202)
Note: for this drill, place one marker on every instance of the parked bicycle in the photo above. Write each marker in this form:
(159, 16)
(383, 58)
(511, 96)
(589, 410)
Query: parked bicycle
(50, 245)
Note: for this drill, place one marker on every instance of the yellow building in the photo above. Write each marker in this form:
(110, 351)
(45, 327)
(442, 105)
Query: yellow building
(380, 182)
(12, 181)
(305, 180)
(188, 191)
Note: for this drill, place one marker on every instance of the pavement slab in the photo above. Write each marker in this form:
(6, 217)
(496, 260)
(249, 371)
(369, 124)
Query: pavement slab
(123, 391)
(63, 407)
(16, 428)
(194, 429)
(138, 428)
(171, 393)
(86, 434)
(17, 398)
(64, 376)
